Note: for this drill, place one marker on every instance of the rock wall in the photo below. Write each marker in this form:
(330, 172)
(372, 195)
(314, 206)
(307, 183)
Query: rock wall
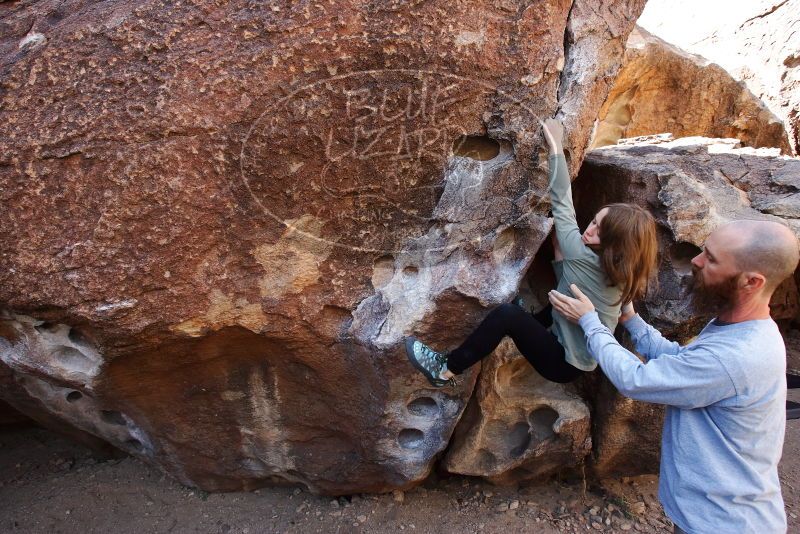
(661, 88)
(221, 219)
(756, 41)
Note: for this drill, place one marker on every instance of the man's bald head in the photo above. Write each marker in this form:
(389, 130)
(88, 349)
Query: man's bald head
(765, 247)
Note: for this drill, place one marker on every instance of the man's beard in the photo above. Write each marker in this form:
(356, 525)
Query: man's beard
(712, 299)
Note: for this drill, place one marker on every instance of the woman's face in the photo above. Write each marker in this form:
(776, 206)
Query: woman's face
(591, 237)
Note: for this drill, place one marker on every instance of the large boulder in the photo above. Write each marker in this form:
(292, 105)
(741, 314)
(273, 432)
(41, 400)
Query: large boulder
(661, 88)
(755, 41)
(220, 221)
(692, 185)
(519, 426)
(626, 434)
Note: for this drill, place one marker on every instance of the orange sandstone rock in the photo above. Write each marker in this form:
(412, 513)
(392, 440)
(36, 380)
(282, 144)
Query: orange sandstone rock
(220, 221)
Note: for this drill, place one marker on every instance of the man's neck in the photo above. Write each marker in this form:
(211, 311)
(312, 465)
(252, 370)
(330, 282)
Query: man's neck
(746, 310)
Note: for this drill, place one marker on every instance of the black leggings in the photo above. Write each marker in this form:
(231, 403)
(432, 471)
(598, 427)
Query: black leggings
(530, 335)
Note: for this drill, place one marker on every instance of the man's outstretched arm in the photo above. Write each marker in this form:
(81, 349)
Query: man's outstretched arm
(690, 378)
(648, 341)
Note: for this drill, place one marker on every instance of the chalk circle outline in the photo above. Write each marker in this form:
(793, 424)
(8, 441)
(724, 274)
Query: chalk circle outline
(419, 72)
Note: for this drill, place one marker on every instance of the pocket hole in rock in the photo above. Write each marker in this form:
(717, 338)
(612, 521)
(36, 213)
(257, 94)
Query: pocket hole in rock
(479, 147)
(518, 439)
(681, 255)
(73, 396)
(45, 327)
(410, 271)
(541, 423)
(73, 360)
(77, 337)
(423, 407)
(410, 438)
(112, 417)
(382, 271)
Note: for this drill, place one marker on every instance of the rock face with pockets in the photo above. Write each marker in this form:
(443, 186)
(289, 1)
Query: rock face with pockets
(519, 426)
(661, 88)
(692, 185)
(221, 220)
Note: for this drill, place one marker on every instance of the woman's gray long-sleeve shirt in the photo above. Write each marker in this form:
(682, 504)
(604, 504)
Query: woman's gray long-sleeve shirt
(726, 416)
(580, 266)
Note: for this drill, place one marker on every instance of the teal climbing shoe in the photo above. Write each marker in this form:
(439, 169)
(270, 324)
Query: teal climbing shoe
(427, 361)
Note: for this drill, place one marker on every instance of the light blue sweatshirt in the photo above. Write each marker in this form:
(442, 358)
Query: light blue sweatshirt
(726, 415)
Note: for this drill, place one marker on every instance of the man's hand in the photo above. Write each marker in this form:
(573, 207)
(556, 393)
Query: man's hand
(572, 309)
(627, 312)
(554, 134)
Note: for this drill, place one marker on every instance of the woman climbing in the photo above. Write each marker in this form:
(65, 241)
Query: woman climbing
(612, 262)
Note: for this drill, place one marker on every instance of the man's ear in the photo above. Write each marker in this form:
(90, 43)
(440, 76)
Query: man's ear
(752, 281)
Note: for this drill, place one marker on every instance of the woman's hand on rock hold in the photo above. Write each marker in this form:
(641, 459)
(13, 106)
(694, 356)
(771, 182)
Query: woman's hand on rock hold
(554, 134)
(571, 308)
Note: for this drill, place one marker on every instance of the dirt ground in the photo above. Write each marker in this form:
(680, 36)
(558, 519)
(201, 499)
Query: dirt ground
(51, 486)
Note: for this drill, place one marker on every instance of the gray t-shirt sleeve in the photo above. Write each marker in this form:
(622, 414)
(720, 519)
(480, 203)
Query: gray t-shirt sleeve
(567, 231)
(692, 378)
(558, 268)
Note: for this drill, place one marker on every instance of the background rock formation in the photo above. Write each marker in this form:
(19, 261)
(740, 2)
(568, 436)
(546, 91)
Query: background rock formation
(221, 220)
(757, 41)
(661, 88)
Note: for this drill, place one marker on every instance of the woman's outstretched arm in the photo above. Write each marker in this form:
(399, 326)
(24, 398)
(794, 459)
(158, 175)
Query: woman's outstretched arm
(567, 231)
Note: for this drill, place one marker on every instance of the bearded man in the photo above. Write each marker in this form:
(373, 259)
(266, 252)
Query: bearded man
(725, 391)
